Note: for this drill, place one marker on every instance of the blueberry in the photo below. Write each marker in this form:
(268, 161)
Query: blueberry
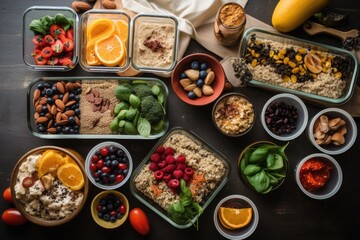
(203, 74)
(191, 95)
(112, 219)
(183, 75)
(199, 83)
(71, 96)
(49, 92)
(203, 66)
(112, 178)
(119, 216)
(44, 109)
(103, 202)
(71, 119)
(40, 86)
(106, 217)
(50, 100)
(77, 111)
(110, 207)
(194, 65)
(100, 215)
(114, 163)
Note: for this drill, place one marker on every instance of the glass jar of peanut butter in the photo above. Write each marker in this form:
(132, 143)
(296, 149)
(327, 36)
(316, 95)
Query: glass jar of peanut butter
(230, 23)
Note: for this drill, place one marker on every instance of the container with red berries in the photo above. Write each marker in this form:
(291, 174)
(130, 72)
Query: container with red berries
(108, 165)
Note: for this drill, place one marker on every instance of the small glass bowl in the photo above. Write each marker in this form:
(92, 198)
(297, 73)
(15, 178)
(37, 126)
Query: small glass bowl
(86, 19)
(94, 151)
(349, 137)
(331, 187)
(236, 201)
(37, 12)
(302, 116)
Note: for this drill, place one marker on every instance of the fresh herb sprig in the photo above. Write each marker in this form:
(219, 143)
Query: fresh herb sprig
(42, 25)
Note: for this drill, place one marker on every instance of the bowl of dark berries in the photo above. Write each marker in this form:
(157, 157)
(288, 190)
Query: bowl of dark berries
(110, 209)
(108, 165)
(198, 79)
(284, 117)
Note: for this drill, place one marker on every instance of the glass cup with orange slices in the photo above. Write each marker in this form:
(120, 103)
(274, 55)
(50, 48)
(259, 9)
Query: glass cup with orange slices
(236, 217)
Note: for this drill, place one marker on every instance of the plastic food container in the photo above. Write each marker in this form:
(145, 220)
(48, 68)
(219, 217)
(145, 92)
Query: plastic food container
(81, 111)
(144, 36)
(37, 12)
(206, 199)
(264, 80)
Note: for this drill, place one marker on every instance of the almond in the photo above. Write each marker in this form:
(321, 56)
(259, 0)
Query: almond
(60, 104)
(60, 87)
(79, 6)
(207, 90)
(52, 130)
(37, 94)
(209, 78)
(42, 120)
(70, 103)
(66, 97)
(109, 4)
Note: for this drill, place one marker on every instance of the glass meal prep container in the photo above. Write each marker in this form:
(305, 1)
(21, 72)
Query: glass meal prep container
(89, 107)
(279, 63)
(150, 41)
(184, 142)
(44, 17)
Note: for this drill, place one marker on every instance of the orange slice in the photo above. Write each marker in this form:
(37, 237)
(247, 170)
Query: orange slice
(71, 176)
(49, 162)
(110, 51)
(91, 58)
(122, 29)
(69, 159)
(234, 218)
(99, 28)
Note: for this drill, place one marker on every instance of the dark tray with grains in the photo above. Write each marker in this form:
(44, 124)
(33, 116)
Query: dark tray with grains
(313, 71)
(97, 107)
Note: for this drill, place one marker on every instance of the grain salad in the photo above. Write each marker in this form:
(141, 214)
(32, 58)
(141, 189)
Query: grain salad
(208, 170)
(295, 67)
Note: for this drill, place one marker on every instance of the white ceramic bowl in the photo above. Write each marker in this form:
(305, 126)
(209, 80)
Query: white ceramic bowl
(301, 122)
(331, 187)
(350, 136)
(237, 201)
(128, 162)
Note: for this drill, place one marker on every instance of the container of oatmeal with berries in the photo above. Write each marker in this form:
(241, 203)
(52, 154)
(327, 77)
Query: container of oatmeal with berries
(180, 169)
(314, 71)
(49, 185)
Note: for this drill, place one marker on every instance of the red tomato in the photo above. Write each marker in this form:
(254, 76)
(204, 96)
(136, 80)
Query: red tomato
(49, 39)
(70, 33)
(52, 61)
(40, 60)
(57, 47)
(46, 52)
(12, 216)
(67, 62)
(39, 40)
(68, 43)
(56, 31)
(7, 195)
(139, 221)
(35, 52)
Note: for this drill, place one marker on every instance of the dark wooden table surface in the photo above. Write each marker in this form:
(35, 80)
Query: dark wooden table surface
(284, 214)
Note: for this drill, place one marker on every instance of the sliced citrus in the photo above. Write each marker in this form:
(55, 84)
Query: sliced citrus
(69, 159)
(110, 51)
(234, 218)
(99, 28)
(71, 176)
(122, 29)
(91, 57)
(49, 162)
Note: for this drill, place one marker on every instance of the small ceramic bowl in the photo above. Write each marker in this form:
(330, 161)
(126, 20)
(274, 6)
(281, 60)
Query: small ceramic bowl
(23, 168)
(236, 201)
(335, 177)
(238, 120)
(198, 91)
(108, 165)
(340, 128)
(276, 171)
(284, 116)
(102, 216)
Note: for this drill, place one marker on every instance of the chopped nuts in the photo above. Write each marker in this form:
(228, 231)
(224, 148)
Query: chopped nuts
(328, 131)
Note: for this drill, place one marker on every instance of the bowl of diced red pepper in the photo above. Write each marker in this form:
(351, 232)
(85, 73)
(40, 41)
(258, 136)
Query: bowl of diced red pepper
(50, 38)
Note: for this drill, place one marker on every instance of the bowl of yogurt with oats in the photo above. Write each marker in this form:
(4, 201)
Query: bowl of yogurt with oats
(49, 185)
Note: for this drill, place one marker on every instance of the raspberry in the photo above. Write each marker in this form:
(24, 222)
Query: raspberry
(160, 149)
(162, 164)
(187, 178)
(169, 168)
(170, 159)
(167, 177)
(181, 166)
(158, 174)
(178, 174)
(169, 151)
(155, 157)
(153, 166)
(174, 183)
(181, 159)
(189, 171)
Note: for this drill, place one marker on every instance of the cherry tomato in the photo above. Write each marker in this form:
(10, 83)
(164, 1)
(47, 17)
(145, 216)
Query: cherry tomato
(35, 52)
(46, 52)
(39, 40)
(7, 195)
(67, 62)
(139, 221)
(53, 61)
(40, 60)
(70, 33)
(49, 39)
(57, 47)
(12, 216)
(56, 31)
(68, 43)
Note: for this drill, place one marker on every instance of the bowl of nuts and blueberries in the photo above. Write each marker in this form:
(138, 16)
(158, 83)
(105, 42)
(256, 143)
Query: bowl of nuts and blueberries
(198, 79)
(332, 131)
(284, 116)
(108, 165)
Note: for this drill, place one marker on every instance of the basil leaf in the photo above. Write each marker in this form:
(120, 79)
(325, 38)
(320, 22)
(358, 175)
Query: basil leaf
(37, 27)
(251, 169)
(63, 21)
(260, 181)
(144, 127)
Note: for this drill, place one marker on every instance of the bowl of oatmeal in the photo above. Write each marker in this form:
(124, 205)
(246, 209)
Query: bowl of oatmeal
(49, 185)
(233, 114)
(180, 163)
(198, 79)
(332, 131)
(284, 116)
